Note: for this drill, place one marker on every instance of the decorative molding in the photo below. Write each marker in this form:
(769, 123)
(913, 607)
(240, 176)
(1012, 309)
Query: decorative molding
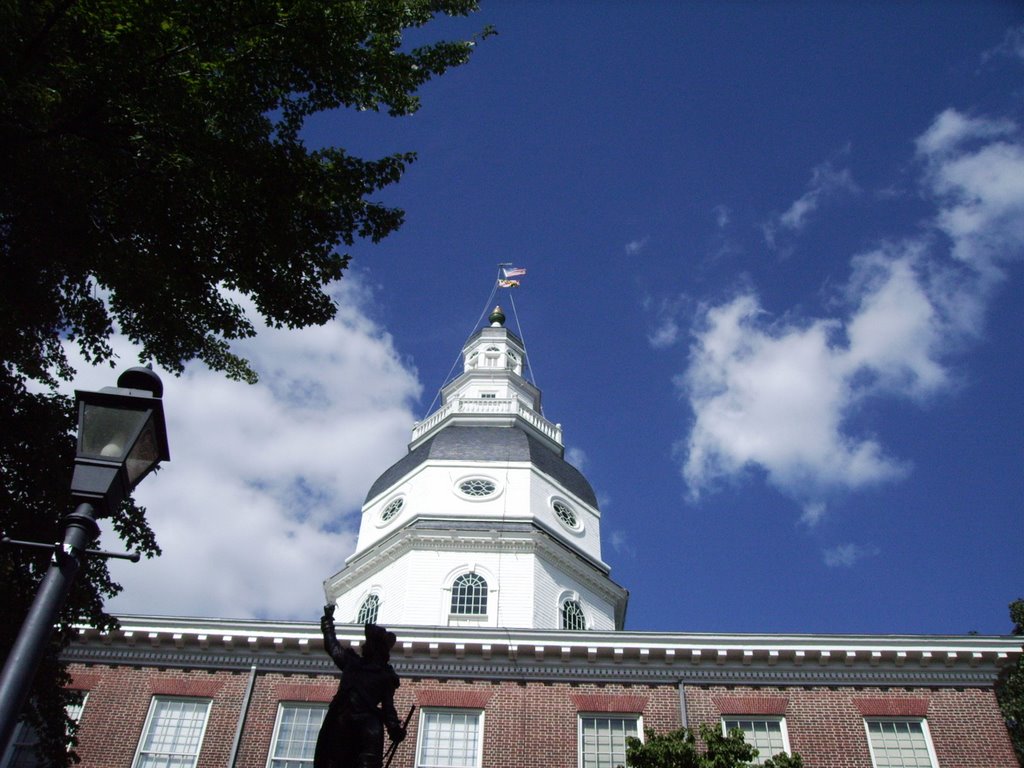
(751, 705)
(454, 698)
(304, 692)
(902, 706)
(599, 702)
(206, 689)
(462, 536)
(556, 655)
(84, 681)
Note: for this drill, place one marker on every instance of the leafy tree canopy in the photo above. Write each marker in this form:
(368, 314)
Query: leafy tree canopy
(1010, 687)
(151, 167)
(151, 157)
(680, 749)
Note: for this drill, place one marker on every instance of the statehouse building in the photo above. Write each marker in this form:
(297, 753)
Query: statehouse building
(481, 549)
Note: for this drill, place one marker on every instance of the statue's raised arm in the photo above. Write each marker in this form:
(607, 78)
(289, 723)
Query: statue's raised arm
(352, 735)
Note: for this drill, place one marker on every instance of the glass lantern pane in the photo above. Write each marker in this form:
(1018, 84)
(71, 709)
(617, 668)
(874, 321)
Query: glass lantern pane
(144, 454)
(107, 433)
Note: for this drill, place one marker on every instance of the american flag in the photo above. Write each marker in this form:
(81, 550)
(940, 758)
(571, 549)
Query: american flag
(513, 271)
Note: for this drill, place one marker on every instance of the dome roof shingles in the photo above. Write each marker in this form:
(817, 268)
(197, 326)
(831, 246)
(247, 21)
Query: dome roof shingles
(486, 444)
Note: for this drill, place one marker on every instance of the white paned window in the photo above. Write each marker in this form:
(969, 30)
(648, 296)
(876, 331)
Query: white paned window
(477, 487)
(295, 735)
(22, 750)
(566, 515)
(469, 595)
(572, 615)
(392, 509)
(173, 733)
(602, 741)
(368, 610)
(450, 738)
(900, 743)
(767, 734)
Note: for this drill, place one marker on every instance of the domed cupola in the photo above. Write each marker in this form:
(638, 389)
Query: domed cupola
(482, 522)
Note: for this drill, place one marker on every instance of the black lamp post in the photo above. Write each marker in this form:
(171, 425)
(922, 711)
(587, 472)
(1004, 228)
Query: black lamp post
(121, 438)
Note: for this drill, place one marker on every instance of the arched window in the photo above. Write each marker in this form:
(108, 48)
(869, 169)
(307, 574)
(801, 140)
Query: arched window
(572, 615)
(469, 595)
(368, 610)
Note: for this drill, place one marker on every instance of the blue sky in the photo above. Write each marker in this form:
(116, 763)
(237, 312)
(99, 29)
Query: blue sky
(774, 297)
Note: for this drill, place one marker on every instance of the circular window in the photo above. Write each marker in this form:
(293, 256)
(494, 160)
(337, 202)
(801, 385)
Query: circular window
(392, 509)
(477, 487)
(566, 515)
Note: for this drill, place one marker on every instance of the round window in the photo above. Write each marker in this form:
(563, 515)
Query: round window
(392, 509)
(566, 515)
(477, 487)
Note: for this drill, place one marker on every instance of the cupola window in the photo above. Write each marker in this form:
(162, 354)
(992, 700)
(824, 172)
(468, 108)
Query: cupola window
(566, 515)
(572, 616)
(477, 487)
(392, 509)
(469, 595)
(368, 610)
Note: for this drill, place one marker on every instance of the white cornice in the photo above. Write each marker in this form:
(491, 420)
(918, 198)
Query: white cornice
(969, 660)
(593, 574)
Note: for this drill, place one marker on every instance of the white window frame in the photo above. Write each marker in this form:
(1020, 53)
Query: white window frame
(635, 716)
(363, 607)
(25, 736)
(273, 761)
(474, 615)
(497, 490)
(923, 722)
(572, 598)
(153, 704)
(762, 755)
(426, 712)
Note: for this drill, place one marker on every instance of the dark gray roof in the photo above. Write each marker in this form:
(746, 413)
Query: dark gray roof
(489, 444)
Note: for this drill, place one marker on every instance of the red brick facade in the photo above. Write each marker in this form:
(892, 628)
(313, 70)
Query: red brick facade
(826, 725)
(534, 723)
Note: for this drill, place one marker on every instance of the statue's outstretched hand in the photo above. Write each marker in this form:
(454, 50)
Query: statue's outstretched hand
(329, 611)
(397, 733)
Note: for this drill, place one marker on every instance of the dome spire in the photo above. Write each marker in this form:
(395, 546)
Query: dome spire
(497, 318)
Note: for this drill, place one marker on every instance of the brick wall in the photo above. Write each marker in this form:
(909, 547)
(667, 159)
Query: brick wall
(527, 725)
(826, 725)
(534, 724)
(119, 700)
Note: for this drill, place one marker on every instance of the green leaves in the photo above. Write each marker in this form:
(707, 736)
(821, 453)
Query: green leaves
(152, 150)
(153, 177)
(680, 749)
(1010, 687)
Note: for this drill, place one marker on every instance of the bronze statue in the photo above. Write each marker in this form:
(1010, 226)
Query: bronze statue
(352, 735)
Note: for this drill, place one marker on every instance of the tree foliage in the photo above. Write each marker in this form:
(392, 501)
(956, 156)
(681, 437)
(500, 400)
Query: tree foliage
(152, 167)
(680, 749)
(1010, 687)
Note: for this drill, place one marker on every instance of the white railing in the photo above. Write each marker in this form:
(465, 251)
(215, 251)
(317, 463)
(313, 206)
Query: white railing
(510, 406)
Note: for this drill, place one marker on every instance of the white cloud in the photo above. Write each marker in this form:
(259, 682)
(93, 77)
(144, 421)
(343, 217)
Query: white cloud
(576, 456)
(261, 496)
(774, 396)
(722, 215)
(621, 544)
(633, 247)
(779, 396)
(950, 129)
(665, 335)
(1012, 46)
(847, 555)
(665, 331)
(895, 332)
(826, 182)
(980, 189)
